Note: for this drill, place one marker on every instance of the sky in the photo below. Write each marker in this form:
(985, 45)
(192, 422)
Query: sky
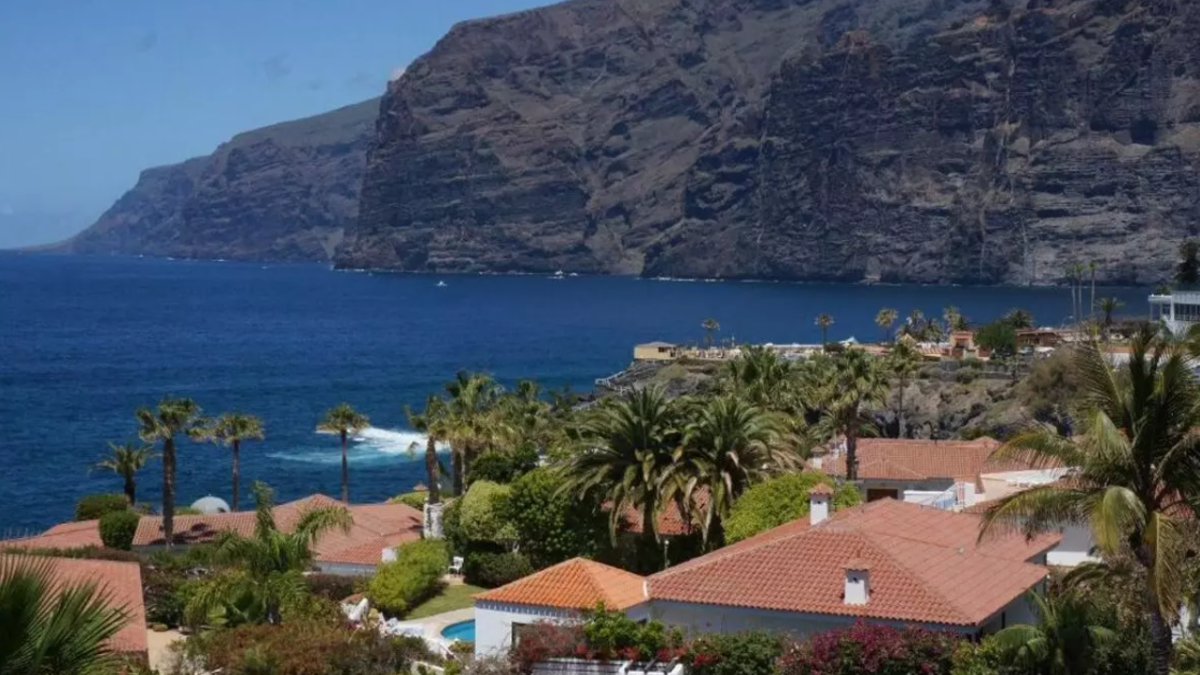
(94, 91)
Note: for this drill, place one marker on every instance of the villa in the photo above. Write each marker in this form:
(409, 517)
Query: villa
(377, 530)
(122, 582)
(887, 561)
(1178, 308)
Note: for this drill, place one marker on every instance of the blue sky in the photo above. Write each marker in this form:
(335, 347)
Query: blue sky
(92, 92)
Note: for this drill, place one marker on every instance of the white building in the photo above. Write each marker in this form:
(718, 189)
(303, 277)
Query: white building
(1179, 308)
(886, 562)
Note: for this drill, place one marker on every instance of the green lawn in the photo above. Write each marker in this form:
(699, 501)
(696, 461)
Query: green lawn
(450, 599)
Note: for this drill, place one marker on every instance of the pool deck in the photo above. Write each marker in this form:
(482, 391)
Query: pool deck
(434, 625)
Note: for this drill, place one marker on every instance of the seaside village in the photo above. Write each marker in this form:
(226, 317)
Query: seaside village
(766, 525)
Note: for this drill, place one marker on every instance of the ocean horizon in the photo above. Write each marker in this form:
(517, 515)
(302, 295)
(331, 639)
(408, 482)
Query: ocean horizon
(87, 340)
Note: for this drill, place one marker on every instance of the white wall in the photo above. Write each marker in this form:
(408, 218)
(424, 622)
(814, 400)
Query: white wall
(1075, 548)
(494, 622)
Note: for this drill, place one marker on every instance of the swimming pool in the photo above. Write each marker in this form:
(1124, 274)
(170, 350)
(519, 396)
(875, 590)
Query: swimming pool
(463, 630)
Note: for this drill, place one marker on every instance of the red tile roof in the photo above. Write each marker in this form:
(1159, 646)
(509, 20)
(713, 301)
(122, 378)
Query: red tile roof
(376, 527)
(925, 566)
(670, 521)
(122, 583)
(917, 459)
(575, 584)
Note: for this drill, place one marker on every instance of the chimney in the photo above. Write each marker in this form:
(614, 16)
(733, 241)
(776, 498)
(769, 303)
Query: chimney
(818, 503)
(858, 582)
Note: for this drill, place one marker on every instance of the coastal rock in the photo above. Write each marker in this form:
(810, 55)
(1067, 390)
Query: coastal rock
(976, 141)
(284, 192)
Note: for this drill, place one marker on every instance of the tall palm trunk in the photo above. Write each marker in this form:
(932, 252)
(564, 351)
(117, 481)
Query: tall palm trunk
(1092, 307)
(168, 496)
(824, 335)
(852, 452)
(456, 462)
(900, 406)
(237, 472)
(131, 489)
(650, 552)
(431, 471)
(345, 472)
(1162, 645)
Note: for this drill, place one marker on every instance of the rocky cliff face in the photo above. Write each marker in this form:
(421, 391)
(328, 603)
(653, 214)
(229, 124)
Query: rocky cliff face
(284, 192)
(900, 140)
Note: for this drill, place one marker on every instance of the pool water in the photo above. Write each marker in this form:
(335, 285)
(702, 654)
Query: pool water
(463, 630)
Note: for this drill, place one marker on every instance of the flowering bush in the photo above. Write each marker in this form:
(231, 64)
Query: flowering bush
(542, 641)
(867, 649)
(753, 653)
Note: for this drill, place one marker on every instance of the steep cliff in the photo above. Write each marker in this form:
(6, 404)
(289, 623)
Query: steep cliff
(899, 140)
(283, 192)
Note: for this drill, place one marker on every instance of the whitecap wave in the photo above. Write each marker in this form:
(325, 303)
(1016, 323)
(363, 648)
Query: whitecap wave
(392, 441)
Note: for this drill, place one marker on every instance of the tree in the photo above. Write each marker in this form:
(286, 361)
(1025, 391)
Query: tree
(432, 423)
(1065, 640)
(172, 417)
(1188, 270)
(710, 326)
(885, 319)
(631, 457)
(1135, 475)
(902, 362)
(268, 564)
(482, 514)
(50, 626)
(999, 337)
(552, 526)
(230, 430)
(857, 384)
(1109, 306)
(954, 319)
(344, 420)
(728, 446)
(761, 377)
(471, 425)
(1075, 278)
(125, 461)
(824, 321)
(1019, 319)
(1092, 264)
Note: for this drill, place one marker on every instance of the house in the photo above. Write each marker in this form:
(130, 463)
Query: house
(1032, 338)
(888, 561)
(915, 469)
(655, 351)
(556, 594)
(376, 531)
(1179, 308)
(122, 582)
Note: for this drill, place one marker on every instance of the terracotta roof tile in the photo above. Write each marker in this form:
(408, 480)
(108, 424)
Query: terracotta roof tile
(575, 584)
(918, 459)
(122, 582)
(924, 563)
(80, 534)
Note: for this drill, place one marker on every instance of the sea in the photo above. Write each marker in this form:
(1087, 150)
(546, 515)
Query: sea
(84, 341)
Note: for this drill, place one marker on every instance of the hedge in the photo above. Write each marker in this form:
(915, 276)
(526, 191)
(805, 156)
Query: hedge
(412, 578)
(488, 569)
(92, 507)
(117, 529)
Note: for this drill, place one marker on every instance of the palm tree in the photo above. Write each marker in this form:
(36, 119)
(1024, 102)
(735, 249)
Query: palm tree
(857, 383)
(1188, 270)
(730, 445)
(954, 319)
(631, 460)
(53, 627)
(172, 417)
(1109, 306)
(915, 325)
(269, 564)
(1019, 318)
(125, 461)
(1135, 472)
(471, 425)
(885, 319)
(231, 429)
(761, 377)
(344, 420)
(902, 361)
(431, 422)
(824, 321)
(1064, 641)
(1092, 264)
(710, 326)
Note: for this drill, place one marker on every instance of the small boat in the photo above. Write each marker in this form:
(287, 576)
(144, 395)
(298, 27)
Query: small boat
(441, 284)
(558, 275)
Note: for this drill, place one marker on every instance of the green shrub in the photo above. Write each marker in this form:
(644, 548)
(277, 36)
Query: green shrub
(117, 529)
(781, 500)
(612, 634)
(414, 577)
(92, 507)
(488, 569)
(332, 586)
(753, 653)
(552, 526)
(187, 511)
(482, 515)
(502, 467)
(414, 499)
(304, 648)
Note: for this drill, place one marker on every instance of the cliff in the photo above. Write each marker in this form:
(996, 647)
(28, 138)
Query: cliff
(975, 141)
(283, 192)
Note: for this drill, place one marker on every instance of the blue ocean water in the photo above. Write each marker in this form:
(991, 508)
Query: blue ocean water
(86, 340)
